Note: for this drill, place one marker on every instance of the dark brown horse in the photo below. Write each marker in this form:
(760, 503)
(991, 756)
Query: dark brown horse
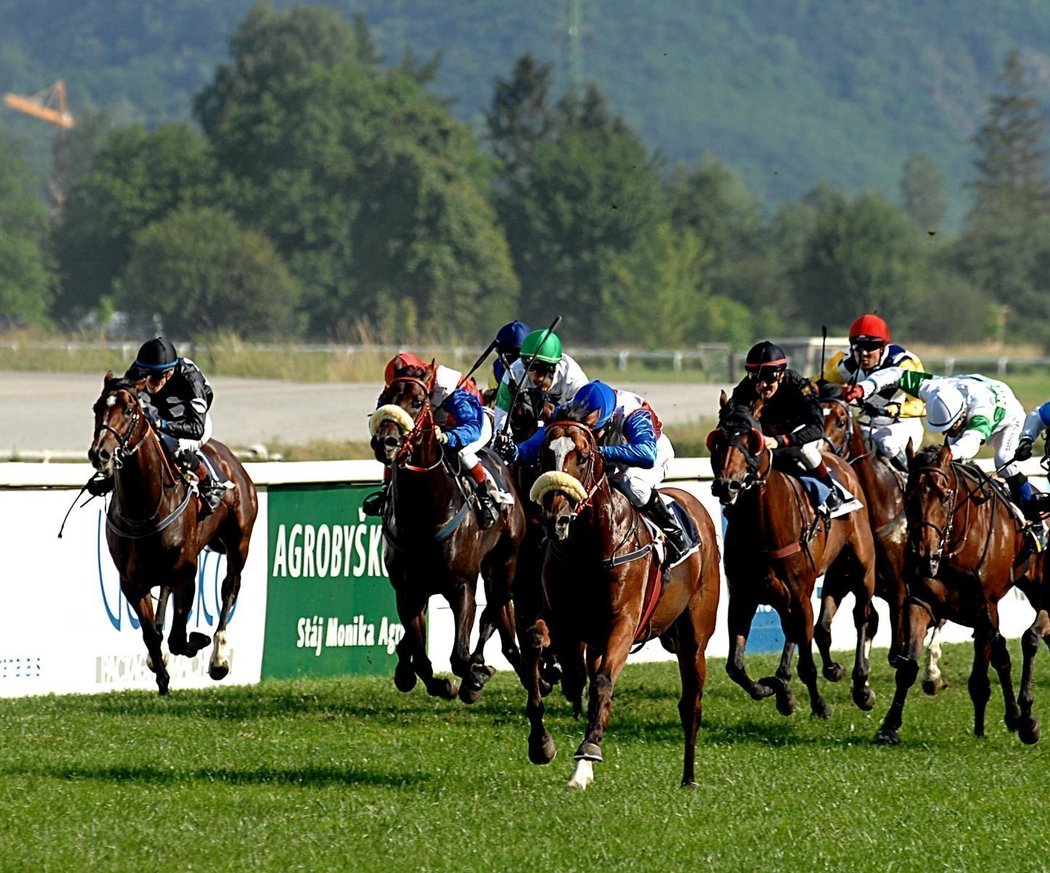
(883, 488)
(602, 587)
(966, 550)
(434, 544)
(776, 546)
(154, 531)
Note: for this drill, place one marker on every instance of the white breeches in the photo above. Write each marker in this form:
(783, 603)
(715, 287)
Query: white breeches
(892, 439)
(1004, 442)
(468, 455)
(637, 482)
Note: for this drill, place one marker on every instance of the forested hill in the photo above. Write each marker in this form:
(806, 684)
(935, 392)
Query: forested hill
(787, 92)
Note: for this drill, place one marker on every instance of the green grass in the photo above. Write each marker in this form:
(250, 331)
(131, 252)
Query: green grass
(349, 774)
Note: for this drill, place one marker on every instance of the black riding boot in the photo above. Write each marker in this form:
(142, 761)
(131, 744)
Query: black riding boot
(196, 472)
(834, 499)
(488, 511)
(660, 513)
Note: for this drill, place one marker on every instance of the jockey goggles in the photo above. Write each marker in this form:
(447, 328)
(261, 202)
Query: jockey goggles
(867, 345)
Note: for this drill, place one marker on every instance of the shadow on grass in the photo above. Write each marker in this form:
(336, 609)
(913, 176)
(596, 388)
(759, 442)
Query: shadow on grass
(302, 776)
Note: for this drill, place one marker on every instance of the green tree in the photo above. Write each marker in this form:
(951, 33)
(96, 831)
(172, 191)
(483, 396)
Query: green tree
(922, 192)
(25, 279)
(201, 273)
(136, 179)
(520, 116)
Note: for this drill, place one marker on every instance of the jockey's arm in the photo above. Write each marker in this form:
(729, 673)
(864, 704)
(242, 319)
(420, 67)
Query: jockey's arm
(969, 442)
(1036, 422)
(466, 411)
(810, 428)
(640, 448)
(912, 406)
(832, 372)
(505, 395)
(909, 381)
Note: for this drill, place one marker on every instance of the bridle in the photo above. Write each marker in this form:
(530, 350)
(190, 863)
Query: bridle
(758, 463)
(594, 471)
(124, 450)
(423, 425)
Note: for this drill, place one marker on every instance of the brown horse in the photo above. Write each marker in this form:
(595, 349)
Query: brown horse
(776, 546)
(966, 550)
(883, 488)
(602, 587)
(154, 531)
(434, 544)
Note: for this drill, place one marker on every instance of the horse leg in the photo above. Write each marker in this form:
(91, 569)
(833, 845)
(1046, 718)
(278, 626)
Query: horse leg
(541, 746)
(1001, 663)
(1029, 725)
(918, 619)
(219, 665)
(151, 635)
(798, 624)
(741, 614)
(783, 672)
(499, 614)
(932, 678)
(599, 706)
(183, 591)
(829, 606)
(470, 668)
(412, 660)
(866, 621)
(979, 686)
(692, 667)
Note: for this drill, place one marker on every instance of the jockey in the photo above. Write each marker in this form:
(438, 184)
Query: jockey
(507, 346)
(895, 418)
(462, 423)
(969, 411)
(548, 368)
(177, 404)
(636, 451)
(790, 414)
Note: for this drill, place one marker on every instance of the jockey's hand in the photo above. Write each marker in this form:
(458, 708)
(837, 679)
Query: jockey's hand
(852, 393)
(1024, 449)
(153, 414)
(770, 442)
(504, 446)
(440, 435)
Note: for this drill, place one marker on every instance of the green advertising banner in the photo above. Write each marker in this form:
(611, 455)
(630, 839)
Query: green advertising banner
(330, 610)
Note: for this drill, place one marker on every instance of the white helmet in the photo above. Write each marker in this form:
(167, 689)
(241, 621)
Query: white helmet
(944, 407)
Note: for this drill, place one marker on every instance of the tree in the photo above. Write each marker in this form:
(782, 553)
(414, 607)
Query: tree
(136, 179)
(922, 192)
(200, 273)
(520, 116)
(25, 278)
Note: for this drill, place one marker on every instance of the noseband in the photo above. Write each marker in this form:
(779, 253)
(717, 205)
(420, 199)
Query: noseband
(950, 500)
(593, 477)
(423, 423)
(752, 460)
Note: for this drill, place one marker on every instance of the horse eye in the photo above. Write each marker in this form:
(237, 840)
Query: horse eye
(417, 403)
(585, 457)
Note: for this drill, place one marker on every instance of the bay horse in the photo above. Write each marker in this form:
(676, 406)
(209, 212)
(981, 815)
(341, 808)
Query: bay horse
(966, 550)
(883, 487)
(434, 544)
(776, 546)
(603, 587)
(154, 530)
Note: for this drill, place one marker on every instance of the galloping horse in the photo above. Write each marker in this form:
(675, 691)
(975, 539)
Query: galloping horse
(153, 529)
(776, 546)
(966, 549)
(883, 487)
(434, 545)
(602, 587)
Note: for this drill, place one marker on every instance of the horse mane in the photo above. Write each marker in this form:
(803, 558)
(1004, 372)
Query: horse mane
(575, 412)
(737, 419)
(118, 383)
(927, 457)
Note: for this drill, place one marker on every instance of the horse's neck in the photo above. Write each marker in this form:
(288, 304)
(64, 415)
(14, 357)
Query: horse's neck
(142, 482)
(424, 496)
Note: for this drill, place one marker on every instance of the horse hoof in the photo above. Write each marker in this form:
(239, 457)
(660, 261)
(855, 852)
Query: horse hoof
(469, 694)
(864, 697)
(446, 689)
(219, 671)
(162, 687)
(887, 737)
(196, 642)
(1029, 732)
(930, 687)
(404, 678)
(589, 752)
(822, 711)
(545, 687)
(689, 784)
(544, 751)
(833, 672)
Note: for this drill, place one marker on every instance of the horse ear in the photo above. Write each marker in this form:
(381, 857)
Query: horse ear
(107, 377)
(723, 400)
(909, 451)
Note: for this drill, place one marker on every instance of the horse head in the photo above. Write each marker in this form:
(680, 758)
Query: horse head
(120, 425)
(570, 470)
(929, 505)
(739, 458)
(403, 423)
(838, 425)
(531, 406)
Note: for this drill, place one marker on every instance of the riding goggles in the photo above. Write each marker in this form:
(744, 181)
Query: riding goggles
(867, 345)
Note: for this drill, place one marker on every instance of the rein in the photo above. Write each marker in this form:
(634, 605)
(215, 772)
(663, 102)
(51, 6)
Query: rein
(945, 549)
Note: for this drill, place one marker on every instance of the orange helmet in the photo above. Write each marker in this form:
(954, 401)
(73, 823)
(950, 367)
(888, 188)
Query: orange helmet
(869, 327)
(402, 361)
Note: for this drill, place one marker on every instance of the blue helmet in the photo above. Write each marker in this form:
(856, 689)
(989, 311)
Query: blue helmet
(511, 336)
(598, 396)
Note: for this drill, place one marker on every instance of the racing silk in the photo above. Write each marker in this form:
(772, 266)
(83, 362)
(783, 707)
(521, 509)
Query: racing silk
(183, 402)
(457, 411)
(568, 379)
(1037, 421)
(792, 416)
(991, 406)
(630, 437)
(843, 369)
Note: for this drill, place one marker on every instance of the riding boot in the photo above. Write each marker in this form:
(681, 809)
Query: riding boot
(834, 498)
(488, 510)
(678, 544)
(210, 491)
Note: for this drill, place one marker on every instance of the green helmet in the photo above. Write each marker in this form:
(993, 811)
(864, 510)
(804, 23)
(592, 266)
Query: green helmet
(540, 345)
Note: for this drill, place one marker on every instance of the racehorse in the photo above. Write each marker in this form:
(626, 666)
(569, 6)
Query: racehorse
(154, 531)
(966, 549)
(603, 587)
(883, 488)
(776, 545)
(434, 544)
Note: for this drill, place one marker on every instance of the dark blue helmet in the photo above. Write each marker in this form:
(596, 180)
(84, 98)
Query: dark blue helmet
(511, 336)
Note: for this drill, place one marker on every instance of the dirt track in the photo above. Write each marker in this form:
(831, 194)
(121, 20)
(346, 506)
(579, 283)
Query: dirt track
(52, 412)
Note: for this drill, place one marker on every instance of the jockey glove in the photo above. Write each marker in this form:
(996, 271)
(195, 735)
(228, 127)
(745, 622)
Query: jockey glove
(1024, 450)
(851, 393)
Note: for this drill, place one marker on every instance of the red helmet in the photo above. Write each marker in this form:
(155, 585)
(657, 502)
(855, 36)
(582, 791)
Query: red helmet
(870, 327)
(402, 361)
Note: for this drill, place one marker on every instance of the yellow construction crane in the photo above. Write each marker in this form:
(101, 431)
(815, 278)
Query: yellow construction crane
(49, 104)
